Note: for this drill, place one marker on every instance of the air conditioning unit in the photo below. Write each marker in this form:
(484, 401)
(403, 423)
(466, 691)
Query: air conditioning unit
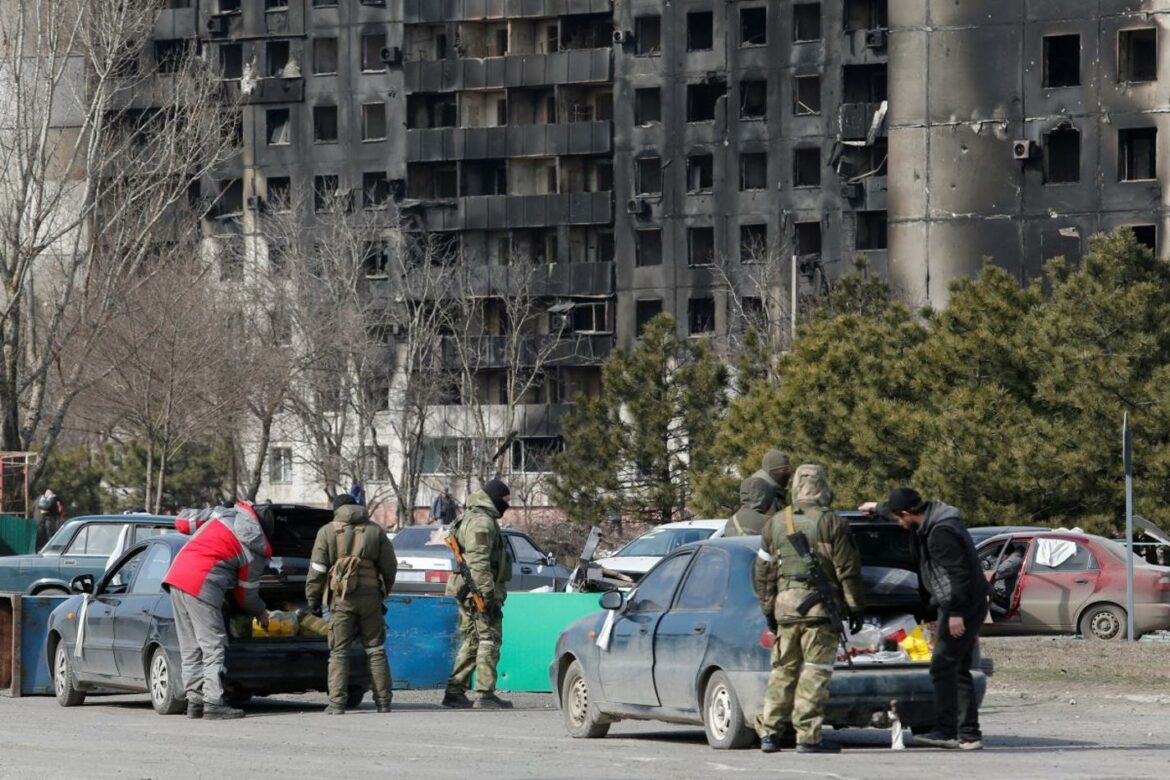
(217, 25)
(392, 55)
(1024, 149)
(638, 207)
(255, 203)
(852, 190)
(877, 39)
(623, 36)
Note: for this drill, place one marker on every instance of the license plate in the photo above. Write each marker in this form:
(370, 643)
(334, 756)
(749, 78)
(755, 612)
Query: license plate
(411, 576)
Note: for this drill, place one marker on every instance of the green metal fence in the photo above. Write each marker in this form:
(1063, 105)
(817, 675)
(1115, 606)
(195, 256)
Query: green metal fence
(18, 535)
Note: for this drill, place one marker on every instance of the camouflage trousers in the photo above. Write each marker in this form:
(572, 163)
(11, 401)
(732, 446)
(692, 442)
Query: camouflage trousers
(479, 652)
(798, 688)
(362, 615)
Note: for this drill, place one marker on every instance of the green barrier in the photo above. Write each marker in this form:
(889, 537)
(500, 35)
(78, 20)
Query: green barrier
(18, 535)
(532, 623)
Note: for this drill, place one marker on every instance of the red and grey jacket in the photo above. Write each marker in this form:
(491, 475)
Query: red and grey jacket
(227, 552)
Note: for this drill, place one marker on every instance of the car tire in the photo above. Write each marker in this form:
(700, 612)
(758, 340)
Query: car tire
(1105, 622)
(354, 696)
(53, 591)
(723, 718)
(161, 683)
(64, 678)
(582, 720)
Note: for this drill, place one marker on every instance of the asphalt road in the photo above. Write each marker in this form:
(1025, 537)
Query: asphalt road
(122, 737)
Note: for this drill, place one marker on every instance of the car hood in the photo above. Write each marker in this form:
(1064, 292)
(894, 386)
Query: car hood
(639, 564)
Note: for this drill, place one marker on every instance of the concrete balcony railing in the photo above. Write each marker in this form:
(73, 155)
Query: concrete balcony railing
(481, 143)
(571, 349)
(439, 11)
(859, 120)
(503, 212)
(574, 66)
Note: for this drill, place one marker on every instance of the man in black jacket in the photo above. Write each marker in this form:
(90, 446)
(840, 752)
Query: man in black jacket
(949, 571)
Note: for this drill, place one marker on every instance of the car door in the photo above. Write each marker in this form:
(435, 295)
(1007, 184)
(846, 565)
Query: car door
(529, 565)
(680, 643)
(627, 666)
(133, 617)
(97, 646)
(1059, 577)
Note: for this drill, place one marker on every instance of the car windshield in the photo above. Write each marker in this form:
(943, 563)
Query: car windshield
(61, 538)
(420, 540)
(660, 541)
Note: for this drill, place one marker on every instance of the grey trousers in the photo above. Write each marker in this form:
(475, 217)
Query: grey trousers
(203, 642)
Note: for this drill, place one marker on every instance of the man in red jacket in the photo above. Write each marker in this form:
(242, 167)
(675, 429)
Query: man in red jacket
(228, 552)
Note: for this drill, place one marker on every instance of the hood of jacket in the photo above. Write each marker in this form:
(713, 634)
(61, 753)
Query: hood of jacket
(483, 502)
(758, 493)
(810, 486)
(351, 514)
(937, 512)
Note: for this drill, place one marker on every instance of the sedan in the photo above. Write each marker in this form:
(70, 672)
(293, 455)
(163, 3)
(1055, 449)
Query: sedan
(1070, 582)
(640, 555)
(425, 562)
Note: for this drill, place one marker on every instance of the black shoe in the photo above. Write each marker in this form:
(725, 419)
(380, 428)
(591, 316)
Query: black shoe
(456, 701)
(335, 709)
(937, 740)
(489, 701)
(221, 712)
(194, 710)
(769, 744)
(817, 747)
(383, 706)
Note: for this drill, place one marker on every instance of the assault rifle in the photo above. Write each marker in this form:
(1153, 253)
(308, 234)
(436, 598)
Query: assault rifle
(465, 572)
(822, 591)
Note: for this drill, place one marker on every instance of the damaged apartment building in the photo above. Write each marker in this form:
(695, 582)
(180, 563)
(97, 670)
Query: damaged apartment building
(651, 155)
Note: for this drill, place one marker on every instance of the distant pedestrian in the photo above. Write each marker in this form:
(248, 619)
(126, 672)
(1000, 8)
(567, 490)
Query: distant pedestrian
(444, 508)
(357, 493)
(761, 495)
(49, 514)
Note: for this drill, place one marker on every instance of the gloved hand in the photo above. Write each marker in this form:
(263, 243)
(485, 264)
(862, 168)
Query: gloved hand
(313, 609)
(773, 626)
(855, 622)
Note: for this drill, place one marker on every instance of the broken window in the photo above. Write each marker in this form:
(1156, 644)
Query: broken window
(701, 246)
(866, 14)
(753, 99)
(279, 127)
(1137, 55)
(871, 230)
(430, 110)
(279, 193)
(647, 105)
(275, 5)
(324, 124)
(375, 190)
(753, 243)
(806, 167)
(1062, 156)
(808, 238)
(700, 30)
(864, 83)
(231, 198)
(1062, 61)
(754, 314)
(373, 121)
(325, 192)
(1146, 235)
(276, 54)
(372, 46)
(806, 22)
(229, 6)
(702, 99)
(169, 55)
(648, 249)
(377, 260)
(485, 177)
(277, 257)
(700, 316)
(591, 317)
(753, 26)
(231, 61)
(648, 175)
(647, 35)
(753, 171)
(644, 311)
(806, 95)
(700, 172)
(1137, 154)
(324, 55)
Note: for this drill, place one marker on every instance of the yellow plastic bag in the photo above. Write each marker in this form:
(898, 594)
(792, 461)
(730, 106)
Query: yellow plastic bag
(280, 624)
(917, 644)
(313, 626)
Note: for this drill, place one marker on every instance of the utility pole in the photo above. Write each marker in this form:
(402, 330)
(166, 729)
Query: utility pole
(1127, 456)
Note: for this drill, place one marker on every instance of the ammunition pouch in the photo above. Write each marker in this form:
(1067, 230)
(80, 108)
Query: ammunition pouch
(810, 601)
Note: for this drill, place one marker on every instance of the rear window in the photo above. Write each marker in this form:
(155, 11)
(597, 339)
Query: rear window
(661, 541)
(420, 539)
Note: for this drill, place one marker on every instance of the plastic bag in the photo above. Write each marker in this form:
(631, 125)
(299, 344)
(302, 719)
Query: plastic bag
(313, 626)
(240, 625)
(898, 628)
(867, 640)
(918, 644)
(280, 624)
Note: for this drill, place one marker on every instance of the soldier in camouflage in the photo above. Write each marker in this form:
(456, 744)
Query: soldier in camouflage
(478, 534)
(761, 495)
(806, 644)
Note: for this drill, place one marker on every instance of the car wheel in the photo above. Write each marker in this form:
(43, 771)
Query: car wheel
(162, 684)
(354, 696)
(64, 680)
(723, 719)
(582, 720)
(1105, 622)
(51, 592)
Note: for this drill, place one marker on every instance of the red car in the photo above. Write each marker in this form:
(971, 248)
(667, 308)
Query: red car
(1062, 582)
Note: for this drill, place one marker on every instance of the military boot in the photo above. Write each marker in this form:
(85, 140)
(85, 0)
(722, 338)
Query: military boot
(383, 706)
(817, 747)
(456, 701)
(335, 709)
(489, 701)
(221, 712)
(769, 744)
(194, 710)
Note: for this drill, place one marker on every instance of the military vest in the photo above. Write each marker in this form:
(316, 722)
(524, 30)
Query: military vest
(351, 572)
(793, 571)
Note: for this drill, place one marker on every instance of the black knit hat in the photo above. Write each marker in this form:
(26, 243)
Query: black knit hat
(496, 489)
(341, 500)
(903, 499)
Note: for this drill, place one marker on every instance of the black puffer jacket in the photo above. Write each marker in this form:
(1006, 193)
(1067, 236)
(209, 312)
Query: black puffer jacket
(948, 567)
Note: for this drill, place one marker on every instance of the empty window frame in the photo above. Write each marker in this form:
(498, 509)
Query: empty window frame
(647, 105)
(808, 238)
(753, 171)
(753, 243)
(700, 316)
(325, 124)
(275, 5)
(648, 176)
(278, 126)
(647, 35)
(231, 198)
(280, 465)
(806, 166)
(373, 121)
(1137, 154)
(376, 260)
(1146, 235)
(644, 311)
(700, 30)
(866, 14)
(231, 61)
(169, 55)
(753, 99)
(702, 100)
(324, 56)
(753, 26)
(325, 192)
(700, 172)
(372, 45)
(279, 193)
(375, 190)
(864, 83)
(229, 6)
(1062, 61)
(806, 22)
(806, 95)
(871, 230)
(701, 246)
(1137, 55)
(648, 248)
(276, 55)
(1062, 156)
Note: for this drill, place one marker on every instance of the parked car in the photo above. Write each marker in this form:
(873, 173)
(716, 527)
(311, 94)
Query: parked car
(82, 545)
(129, 641)
(1072, 582)
(425, 562)
(687, 647)
(981, 533)
(640, 555)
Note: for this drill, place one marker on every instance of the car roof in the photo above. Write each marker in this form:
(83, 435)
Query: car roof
(715, 523)
(123, 518)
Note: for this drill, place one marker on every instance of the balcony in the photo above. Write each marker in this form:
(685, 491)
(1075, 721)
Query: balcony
(572, 349)
(575, 66)
(863, 121)
(503, 212)
(268, 90)
(482, 143)
(439, 11)
(548, 279)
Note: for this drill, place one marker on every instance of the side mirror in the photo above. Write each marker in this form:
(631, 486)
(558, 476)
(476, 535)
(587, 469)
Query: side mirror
(82, 583)
(551, 559)
(612, 599)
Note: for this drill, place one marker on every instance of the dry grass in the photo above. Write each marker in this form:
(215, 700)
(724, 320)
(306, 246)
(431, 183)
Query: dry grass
(1059, 665)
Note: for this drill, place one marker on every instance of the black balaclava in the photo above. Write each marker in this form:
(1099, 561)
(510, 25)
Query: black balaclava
(496, 490)
(343, 499)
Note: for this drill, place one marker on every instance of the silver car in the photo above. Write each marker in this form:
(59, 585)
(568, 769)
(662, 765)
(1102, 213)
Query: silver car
(425, 563)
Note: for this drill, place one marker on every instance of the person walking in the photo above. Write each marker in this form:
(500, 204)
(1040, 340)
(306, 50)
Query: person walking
(490, 566)
(228, 551)
(351, 571)
(443, 508)
(49, 512)
(806, 640)
(949, 570)
(761, 495)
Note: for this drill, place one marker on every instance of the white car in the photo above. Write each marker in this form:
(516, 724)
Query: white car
(640, 555)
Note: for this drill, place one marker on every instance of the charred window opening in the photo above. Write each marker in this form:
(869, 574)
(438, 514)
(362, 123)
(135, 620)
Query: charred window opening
(700, 172)
(754, 314)
(1137, 153)
(806, 22)
(648, 176)
(858, 161)
(485, 177)
(701, 316)
(275, 5)
(648, 250)
(1146, 235)
(373, 121)
(375, 190)
(1062, 61)
(584, 31)
(753, 26)
(276, 55)
(231, 198)
(325, 191)
(753, 99)
(702, 99)
(753, 171)
(808, 238)
(169, 55)
(806, 95)
(278, 126)
(231, 61)
(377, 260)
(1137, 55)
(1062, 156)
(644, 311)
(753, 243)
(806, 167)
(277, 257)
(325, 124)
(426, 111)
(647, 35)
(701, 246)
(647, 105)
(700, 30)
(866, 14)
(324, 56)
(864, 83)
(871, 230)
(431, 181)
(279, 197)
(229, 6)
(372, 46)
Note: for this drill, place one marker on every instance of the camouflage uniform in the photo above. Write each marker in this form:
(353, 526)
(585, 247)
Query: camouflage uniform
(352, 533)
(806, 648)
